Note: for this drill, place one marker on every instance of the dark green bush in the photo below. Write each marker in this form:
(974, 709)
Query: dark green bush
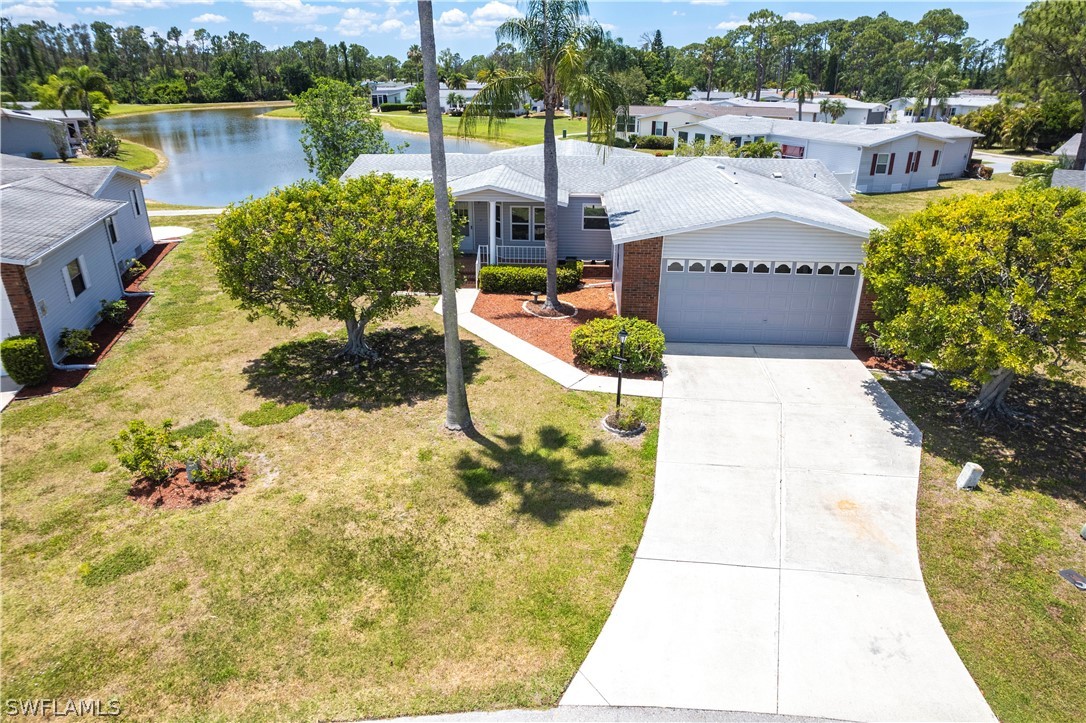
(1025, 168)
(528, 279)
(77, 343)
(24, 359)
(413, 107)
(655, 143)
(102, 143)
(595, 343)
(114, 311)
(621, 143)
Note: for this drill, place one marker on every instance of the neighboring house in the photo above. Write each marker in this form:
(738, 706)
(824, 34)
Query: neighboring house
(68, 235)
(1069, 179)
(655, 120)
(909, 110)
(467, 93)
(1070, 148)
(381, 93)
(30, 132)
(724, 250)
(882, 158)
(857, 113)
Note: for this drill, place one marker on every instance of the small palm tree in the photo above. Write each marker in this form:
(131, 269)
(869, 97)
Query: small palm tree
(455, 80)
(78, 83)
(935, 81)
(554, 35)
(833, 108)
(803, 87)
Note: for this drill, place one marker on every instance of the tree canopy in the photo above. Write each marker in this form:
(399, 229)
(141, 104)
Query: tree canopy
(335, 250)
(988, 286)
(338, 127)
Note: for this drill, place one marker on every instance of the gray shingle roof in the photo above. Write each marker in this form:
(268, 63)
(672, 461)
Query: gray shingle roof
(40, 214)
(808, 173)
(869, 135)
(569, 147)
(88, 179)
(1069, 179)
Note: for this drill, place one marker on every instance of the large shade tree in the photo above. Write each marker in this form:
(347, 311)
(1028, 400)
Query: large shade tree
(336, 250)
(988, 286)
(338, 128)
(555, 36)
(457, 413)
(1048, 52)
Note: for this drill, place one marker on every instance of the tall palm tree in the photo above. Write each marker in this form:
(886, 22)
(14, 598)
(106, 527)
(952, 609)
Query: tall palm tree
(457, 413)
(803, 87)
(414, 56)
(935, 81)
(78, 83)
(832, 108)
(553, 34)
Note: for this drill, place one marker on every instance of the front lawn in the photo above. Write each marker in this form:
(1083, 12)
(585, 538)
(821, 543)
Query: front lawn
(887, 207)
(375, 565)
(991, 557)
(133, 156)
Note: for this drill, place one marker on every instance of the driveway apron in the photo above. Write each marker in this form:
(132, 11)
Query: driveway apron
(778, 571)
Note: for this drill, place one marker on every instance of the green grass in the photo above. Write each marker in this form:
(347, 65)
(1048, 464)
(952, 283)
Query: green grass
(888, 207)
(132, 156)
(990, 557)
(118, 110)
(1033, 155)
(514, 131)
(272, 413)
(375, 565)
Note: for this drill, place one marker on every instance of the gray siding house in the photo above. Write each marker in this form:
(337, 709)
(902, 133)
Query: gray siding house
(30, 132)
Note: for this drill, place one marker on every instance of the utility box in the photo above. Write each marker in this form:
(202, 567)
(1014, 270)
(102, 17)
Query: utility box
(970, 476)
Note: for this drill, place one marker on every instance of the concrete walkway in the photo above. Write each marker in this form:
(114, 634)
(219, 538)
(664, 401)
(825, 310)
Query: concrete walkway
(546, 364)
(778, 570)
(8, 390)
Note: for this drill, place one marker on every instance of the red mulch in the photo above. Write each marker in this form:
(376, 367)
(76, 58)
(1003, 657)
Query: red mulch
(178, 493)
(150, 260)
(886, 364)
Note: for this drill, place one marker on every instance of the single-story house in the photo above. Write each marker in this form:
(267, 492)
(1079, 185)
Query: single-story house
(726, 250)
(909, 110)
(857, 113)
(68, 236)
(381, 93)
(883, 158)
(1069, 179)
(30, 132)
(655, 120)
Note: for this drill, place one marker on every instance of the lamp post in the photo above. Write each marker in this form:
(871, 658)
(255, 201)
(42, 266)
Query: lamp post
(621, 359)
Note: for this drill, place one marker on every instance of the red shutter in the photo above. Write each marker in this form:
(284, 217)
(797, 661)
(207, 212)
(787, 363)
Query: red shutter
(916, 162)
(908, 164)
(891, 169)
(874, 161)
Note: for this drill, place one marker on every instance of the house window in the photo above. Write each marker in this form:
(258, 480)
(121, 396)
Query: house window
(111, 230)
(697, 267)
(539, 228)
(594, 218)
(846, 270)
(699, 137)
(825, 270)
(804, 269)
(761, 267)
(935, 159)
(737, 140)
(739, 267)
(75, 273)
(135, 202)
(880, 164)
(683, 136)
(497, 220)
(659, 128)
(626, 124)
(790, 151)
(718, 267)
(520, 223)
(675, 265)
(782, 267)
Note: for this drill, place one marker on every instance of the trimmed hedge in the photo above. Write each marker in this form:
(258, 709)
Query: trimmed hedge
(528, 279)
(654, 143)
(24, 359)
(596, 343)
(413, 107)
(1025, 168)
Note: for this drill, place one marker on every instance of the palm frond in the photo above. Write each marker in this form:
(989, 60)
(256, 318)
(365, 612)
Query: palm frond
(495, 102)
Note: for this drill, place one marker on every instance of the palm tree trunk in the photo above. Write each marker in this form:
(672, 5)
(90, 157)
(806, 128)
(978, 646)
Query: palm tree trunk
(457, 413)
(550, 200)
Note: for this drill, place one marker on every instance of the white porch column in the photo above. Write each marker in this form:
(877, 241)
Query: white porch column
(490, 232)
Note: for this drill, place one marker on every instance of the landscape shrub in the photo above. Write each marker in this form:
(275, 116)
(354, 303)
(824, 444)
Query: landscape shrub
(413, 107)
(147, 451)
(655, 143)
(102, 143)
(36, 155)
(629, 418)
(135, 268)
(621, 143)
(114, 311)
(1025, 168)
(77, 343)
(596, 343)
(24, 359)
(213, 458)
(528, 279)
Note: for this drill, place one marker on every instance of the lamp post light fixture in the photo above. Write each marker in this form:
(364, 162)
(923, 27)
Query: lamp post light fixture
(621, 359)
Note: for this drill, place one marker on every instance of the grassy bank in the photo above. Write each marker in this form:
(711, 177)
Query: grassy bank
(515, 131)
(118, 110)
(132, 156)
(374, 566)
(886, 207)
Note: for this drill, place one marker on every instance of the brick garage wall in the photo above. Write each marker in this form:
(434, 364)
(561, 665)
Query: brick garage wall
(22, 301)
(641, 278)
(865, 315)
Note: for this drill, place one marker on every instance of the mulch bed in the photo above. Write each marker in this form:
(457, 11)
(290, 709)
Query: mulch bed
(885, 364)
(150, 259)
(178, 493)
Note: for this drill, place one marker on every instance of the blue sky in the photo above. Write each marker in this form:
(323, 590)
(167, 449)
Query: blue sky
(388, 27)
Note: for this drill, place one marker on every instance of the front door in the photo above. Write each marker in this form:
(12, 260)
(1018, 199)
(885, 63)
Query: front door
(462, 224)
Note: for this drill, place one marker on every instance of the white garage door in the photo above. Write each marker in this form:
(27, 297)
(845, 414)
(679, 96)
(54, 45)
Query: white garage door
(735, 301)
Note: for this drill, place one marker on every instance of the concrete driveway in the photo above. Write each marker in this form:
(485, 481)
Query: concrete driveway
(778, 570)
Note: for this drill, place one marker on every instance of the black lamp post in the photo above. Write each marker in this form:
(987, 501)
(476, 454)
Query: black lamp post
(621, 359)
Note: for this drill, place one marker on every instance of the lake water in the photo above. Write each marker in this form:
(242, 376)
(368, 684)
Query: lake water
(224, 155)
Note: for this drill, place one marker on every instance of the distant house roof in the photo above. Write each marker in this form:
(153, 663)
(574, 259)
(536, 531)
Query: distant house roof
(86, 179)
(1069, 179)
(864, 136)
(41, 214)
(48, 115)
(713, 110)
(1070, 148)
(810, 103)
(645, 195)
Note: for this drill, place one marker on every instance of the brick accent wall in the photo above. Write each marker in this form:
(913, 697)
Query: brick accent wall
(865, 315)
(641, 278)
(22, 301)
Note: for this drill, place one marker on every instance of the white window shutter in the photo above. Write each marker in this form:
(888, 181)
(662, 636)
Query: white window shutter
(68, 284)
(83, 270)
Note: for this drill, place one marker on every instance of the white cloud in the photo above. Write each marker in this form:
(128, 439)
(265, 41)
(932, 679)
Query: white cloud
(210, 18)
(290, 12)
(482, 21)
(708, 2)
(608, 27)
(46, 10)
(678, 13)
(101, 11)
(800, 17)
(123, 5)
(729, 25)
(356, 21)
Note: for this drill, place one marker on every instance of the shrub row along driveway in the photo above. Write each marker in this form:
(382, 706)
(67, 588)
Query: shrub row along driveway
(778, 571)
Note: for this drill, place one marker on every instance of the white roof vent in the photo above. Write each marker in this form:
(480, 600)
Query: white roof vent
(778, 174)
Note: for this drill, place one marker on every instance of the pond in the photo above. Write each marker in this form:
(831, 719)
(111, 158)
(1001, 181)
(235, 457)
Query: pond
(224, 155)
